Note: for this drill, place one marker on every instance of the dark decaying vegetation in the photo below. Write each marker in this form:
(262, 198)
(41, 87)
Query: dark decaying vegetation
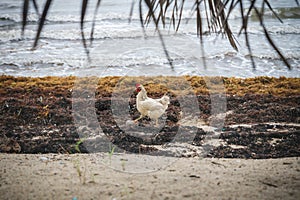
(37, 116)
(217, 13)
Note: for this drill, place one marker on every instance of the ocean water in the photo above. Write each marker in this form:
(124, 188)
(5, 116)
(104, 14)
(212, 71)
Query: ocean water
(122, 48)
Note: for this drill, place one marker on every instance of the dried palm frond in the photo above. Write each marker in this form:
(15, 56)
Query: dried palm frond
(42, 22)
(94, 21)
(151, 14)
(260, 15)
(25, 13)
(83, 12)
(215, 15)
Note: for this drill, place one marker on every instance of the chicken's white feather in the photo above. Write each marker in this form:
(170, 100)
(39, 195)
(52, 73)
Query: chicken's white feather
(153, 108)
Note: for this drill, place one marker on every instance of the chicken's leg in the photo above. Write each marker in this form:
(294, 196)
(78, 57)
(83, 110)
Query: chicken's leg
(156, 123)
(136, 120)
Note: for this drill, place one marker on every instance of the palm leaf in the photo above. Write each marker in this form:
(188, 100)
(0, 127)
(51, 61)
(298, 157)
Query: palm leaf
(260, 16)
(25, 13)
(141, 17)
(83, 13)
(224, 23)
(244, 27)
(36, 8)
(270, 7)
(200, 32)
(151, 10)
(131, 11)
(41, 23)
(94, 21)
(180, 14)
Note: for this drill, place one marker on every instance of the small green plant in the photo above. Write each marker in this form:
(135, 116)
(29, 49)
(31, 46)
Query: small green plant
(78, 144)
(111, 151)
(78, 170)
(81, 172)
(85, 175)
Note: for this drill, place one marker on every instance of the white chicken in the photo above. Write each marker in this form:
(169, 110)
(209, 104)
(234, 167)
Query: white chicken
(153, 108)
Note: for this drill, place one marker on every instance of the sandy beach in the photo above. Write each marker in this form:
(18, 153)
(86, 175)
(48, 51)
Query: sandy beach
(219, 81)
(82, 176)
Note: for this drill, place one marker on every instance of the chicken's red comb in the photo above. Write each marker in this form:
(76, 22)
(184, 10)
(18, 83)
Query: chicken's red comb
(137, 85)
